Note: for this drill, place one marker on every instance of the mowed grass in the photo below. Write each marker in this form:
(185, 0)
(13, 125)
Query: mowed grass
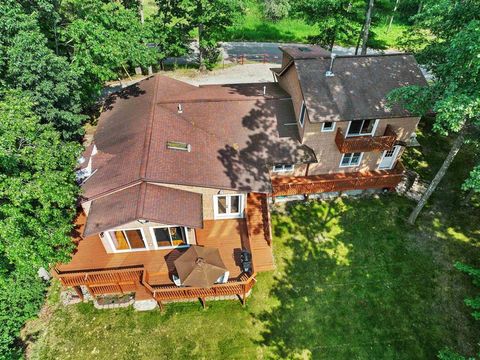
(353, 281)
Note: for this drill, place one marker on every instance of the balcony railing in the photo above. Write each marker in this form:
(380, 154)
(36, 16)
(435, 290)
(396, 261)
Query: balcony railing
(365, 143)
(301, 185)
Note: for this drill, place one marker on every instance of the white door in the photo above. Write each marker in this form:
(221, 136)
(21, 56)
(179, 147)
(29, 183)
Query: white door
(388, 158)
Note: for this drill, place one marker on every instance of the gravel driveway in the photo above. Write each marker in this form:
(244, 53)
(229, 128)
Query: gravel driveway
(233, 74)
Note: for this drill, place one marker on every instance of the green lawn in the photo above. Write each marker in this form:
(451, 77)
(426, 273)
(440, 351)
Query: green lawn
(254, 27)
(353, 281)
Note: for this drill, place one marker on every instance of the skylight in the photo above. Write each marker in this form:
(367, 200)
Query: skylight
(177, 145)
(304, 49)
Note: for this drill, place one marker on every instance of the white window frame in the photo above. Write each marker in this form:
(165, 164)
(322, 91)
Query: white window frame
(395, 157)
(303, 112)
(328, 130)
(349, 165)
(374, 129)
(114, 249)
(228, 215)
(154, 238)
(283, 168)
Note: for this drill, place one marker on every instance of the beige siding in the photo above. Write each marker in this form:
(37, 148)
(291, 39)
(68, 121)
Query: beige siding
(290, 83)
(207, 196)
(329, 157)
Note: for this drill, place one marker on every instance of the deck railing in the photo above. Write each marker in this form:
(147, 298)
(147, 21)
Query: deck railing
(389, 179)
(97, 277)
(130, 279)
(365, 143)
(239, 287)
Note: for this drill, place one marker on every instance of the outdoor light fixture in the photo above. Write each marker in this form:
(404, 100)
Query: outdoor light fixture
(142, 221)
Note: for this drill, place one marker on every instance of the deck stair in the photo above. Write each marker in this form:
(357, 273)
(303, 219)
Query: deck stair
(259, 232)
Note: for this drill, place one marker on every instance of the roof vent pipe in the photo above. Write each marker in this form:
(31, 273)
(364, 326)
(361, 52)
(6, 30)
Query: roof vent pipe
(329, 72)
(264, 90)
(180, 109)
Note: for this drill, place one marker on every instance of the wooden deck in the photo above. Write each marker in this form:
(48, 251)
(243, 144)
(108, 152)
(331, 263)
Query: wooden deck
(229, 236)
(301, 185)
(148, 273)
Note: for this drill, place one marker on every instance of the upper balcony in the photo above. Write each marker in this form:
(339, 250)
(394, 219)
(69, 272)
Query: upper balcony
(347, 144)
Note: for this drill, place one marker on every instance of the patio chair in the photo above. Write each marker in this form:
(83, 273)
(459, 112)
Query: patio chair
(176, 280)
(224, 278)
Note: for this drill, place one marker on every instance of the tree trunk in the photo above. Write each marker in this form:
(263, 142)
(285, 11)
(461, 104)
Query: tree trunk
(468, 197)
(420, 7)
(393, 14)
(359, 39)
(201, 61)
(457, 144)
(140, 11)
(366, 30)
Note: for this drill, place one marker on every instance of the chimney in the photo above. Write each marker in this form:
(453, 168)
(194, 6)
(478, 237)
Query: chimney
(180, 109)
(329, 72)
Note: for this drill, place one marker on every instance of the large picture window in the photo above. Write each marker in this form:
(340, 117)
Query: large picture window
(127, 240)
(171, 236)
(228, 206)
(362, 127)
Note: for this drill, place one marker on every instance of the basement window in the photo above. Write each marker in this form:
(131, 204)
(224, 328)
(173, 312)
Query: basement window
(177, 145)
(282, 168)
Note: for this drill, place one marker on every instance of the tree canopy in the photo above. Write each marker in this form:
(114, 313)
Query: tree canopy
(336, 19)
(452, 56)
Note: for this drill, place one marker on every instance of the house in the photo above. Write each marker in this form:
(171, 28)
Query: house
(173, 165)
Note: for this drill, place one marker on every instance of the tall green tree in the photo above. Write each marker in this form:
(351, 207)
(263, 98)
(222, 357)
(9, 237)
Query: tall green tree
(37, 204)
(102, 40)
(337, 20)
(38, 191)
(455, 94)
(29, 64)
(170, 28)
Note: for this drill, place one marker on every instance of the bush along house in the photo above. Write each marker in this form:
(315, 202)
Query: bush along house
(178, 179)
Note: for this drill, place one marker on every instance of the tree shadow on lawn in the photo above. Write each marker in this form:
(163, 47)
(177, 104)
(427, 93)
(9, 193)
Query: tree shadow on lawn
(350, 285)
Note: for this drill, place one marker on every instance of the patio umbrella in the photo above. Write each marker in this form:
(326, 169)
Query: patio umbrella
(200, 266)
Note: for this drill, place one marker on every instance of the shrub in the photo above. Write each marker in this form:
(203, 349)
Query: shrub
(276, 9)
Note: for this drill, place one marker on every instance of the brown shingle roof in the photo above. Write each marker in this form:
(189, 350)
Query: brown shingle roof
(151, 202)
(305, 52)
(234, 132)
(359, 88)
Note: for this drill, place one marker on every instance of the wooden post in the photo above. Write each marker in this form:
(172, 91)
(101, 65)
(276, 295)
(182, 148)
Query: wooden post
(79, 292)
(202, 300)
(160, 305)
(244, 297)
(90, 291)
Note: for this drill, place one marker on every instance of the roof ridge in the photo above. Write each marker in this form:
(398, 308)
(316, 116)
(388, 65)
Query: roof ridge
(141, 200)
(193, 101)
(148, 133)
(358, 56)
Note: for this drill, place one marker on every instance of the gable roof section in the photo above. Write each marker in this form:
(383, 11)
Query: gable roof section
(234, 131)
(305, 51)
(151, 202)
(359, 88)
